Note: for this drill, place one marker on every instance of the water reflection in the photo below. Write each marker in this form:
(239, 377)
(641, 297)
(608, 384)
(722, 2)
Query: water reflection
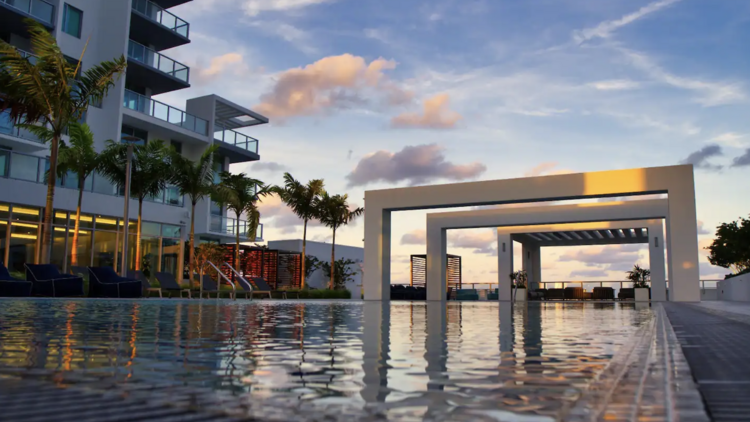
(418, 361)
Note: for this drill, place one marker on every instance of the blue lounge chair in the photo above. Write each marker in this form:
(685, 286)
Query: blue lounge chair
(260, 287)
(210, 286)
(169, 284)
(147, 288)
(13, 287)
(467, 294)
(49, 282)
(104, 282)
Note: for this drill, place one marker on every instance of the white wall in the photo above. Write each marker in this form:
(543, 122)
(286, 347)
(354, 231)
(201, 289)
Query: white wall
(735, 289)
(322, 251)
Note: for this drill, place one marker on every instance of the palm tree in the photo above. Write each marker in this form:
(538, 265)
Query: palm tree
(639, 276)
(148, 177)
(46, 94)
(81, 159)
(194, 179)
(303, 200)
(241, 194)
(334, 212)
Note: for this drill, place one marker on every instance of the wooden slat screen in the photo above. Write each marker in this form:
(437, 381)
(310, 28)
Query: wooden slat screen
(419, 271)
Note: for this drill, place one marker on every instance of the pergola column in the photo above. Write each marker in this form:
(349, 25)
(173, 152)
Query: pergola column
(437, 261)
(377, 266)
(656, 262)
(532, 264)
(504, 266)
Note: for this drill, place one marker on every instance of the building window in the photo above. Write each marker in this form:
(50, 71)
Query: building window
(177, 145)
(72, 21)
(128, 131)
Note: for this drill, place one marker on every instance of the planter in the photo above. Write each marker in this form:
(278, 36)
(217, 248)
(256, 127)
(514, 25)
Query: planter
(520, 295)
(642, 294)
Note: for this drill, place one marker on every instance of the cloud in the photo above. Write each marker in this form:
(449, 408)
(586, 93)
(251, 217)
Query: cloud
(329, 83)
(589, 273)
(279, 214)
(481, 241)
(730, 139)
(435, 115)
(615, 85)
(743, 160)
(414, 164)
(606, 28)
(255, 7)
(296, 37)
(269, 166)
(414, 237)
(546, 169)
(220, 64)
(701, 229)
(699, 158)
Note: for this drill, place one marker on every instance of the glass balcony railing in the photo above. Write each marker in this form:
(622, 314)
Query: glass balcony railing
(39, 9)
(32, 168)
(229, 226)
(9, 127)
(237, 139)
(158, 61)
(167, 113)
(157, 14)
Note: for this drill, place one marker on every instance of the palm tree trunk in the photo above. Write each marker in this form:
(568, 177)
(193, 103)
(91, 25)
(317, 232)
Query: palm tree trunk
(237, 244)
(191, 245)
(74, 248)
(333, 258)
(304, 257)
(138, 236)
(45, 253)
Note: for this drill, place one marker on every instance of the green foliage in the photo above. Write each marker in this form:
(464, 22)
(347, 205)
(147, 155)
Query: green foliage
(241, 194)
(150, 167)
(640, 277)
(343, 272)
(334, 212)
(314, 294)
(194, 179)
(311, 264)
(520, 278)
(80, 157)
(731, 247)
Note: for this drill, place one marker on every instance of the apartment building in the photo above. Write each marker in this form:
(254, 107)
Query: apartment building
(140, 30)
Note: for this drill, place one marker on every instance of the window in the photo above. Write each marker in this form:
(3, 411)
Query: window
(133, 132)
(72, 21)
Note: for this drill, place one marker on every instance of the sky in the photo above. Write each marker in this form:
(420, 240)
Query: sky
(373, 94)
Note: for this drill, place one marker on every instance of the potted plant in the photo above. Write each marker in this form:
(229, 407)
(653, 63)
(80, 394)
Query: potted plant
(641, 277)
(519, 278)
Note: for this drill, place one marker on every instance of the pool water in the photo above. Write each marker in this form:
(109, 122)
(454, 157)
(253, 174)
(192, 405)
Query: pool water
(346, 360)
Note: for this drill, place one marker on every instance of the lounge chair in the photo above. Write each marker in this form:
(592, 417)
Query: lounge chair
(603, 293)
(104, 282)
(574, 293)
(555, 294)
(467, 294)
(493, 295)
(626, 294)
(49, 282)
(210, 286)
(13, 287)
(145, 284)
(169, 284)
(260, 286)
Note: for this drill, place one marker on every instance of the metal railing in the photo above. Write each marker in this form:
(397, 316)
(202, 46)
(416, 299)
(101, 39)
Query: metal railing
(248, 286)
(157, 14)
(229, 226)
(221, 275)
(8, 127)
(32, 168)
(158, 61)
(237, 139)
(167, 113)
(39, 9)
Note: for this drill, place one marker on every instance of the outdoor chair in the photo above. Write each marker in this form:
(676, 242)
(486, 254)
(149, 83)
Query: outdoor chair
(13, 287)
(555, 294)
(574, 293)
(493, 294)
(48, 281)
(260, 286)
(603, 293)
(104, 282)
(145, 284)
(169, 284)
(467, 294)
(210, 286)
(626, 294)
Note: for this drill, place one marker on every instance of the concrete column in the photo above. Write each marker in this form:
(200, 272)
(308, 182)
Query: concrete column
(377, 273)
(656, 262)
(504, 266)
(507, 336)
(532, 264)
(435, 274)
(668, 238)
(436, 347)
(376, 348)
(684, 279)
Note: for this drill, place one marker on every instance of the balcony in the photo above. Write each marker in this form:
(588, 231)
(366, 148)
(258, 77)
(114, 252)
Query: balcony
(12, 13)
(238, 147)
(164, 112)
(17, 138)
(154, 70)
(151, 24)
(170, 3)
(228, 226)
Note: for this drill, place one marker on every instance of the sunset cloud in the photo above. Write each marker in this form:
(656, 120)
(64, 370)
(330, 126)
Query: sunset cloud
(435, 115)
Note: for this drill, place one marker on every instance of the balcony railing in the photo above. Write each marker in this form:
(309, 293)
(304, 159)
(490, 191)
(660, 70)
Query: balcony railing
(237, 139)
(8, 127)
(32, 168)
(157, 14)
(39, 9)
(158, 61)
(167, 113)
(229, 226)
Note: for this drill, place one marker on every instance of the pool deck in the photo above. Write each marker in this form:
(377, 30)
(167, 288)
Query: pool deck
(690, 363)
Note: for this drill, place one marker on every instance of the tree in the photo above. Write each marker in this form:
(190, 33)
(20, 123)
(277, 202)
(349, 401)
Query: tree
(241, 194)
(148, 175)
(343, 273)
(311, 264)
(731, 247)
(80, 159)
(520, 278)
(640, 277)
(196, 181)
(46, 94)
(333, 211)
(303, 200)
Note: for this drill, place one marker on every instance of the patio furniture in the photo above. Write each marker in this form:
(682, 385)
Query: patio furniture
(260, 286)
(574, 293)
(169, 284)
(537, 294)
(210, 286)
(626, 294)
(13, 287)
(48, 281)
(467, 294)
(80, 271)
(603, 293)
(145, 284)
(555, 294)
(493, 295)
(104, 282)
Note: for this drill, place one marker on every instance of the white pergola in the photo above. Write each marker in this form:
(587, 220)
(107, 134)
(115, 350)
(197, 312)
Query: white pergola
(675, 181)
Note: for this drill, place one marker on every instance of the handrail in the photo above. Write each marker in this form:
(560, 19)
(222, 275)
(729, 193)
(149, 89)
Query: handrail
(39, 9)
(163, 17)
(240, 276)
(218, 271)
(165, 112)
(158, 61)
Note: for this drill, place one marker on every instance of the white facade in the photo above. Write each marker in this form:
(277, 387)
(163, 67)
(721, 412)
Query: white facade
(735, 289)
(138, 30)
(322, 251)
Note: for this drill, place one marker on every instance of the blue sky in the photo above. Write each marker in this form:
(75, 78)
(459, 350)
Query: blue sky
(373, 94)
